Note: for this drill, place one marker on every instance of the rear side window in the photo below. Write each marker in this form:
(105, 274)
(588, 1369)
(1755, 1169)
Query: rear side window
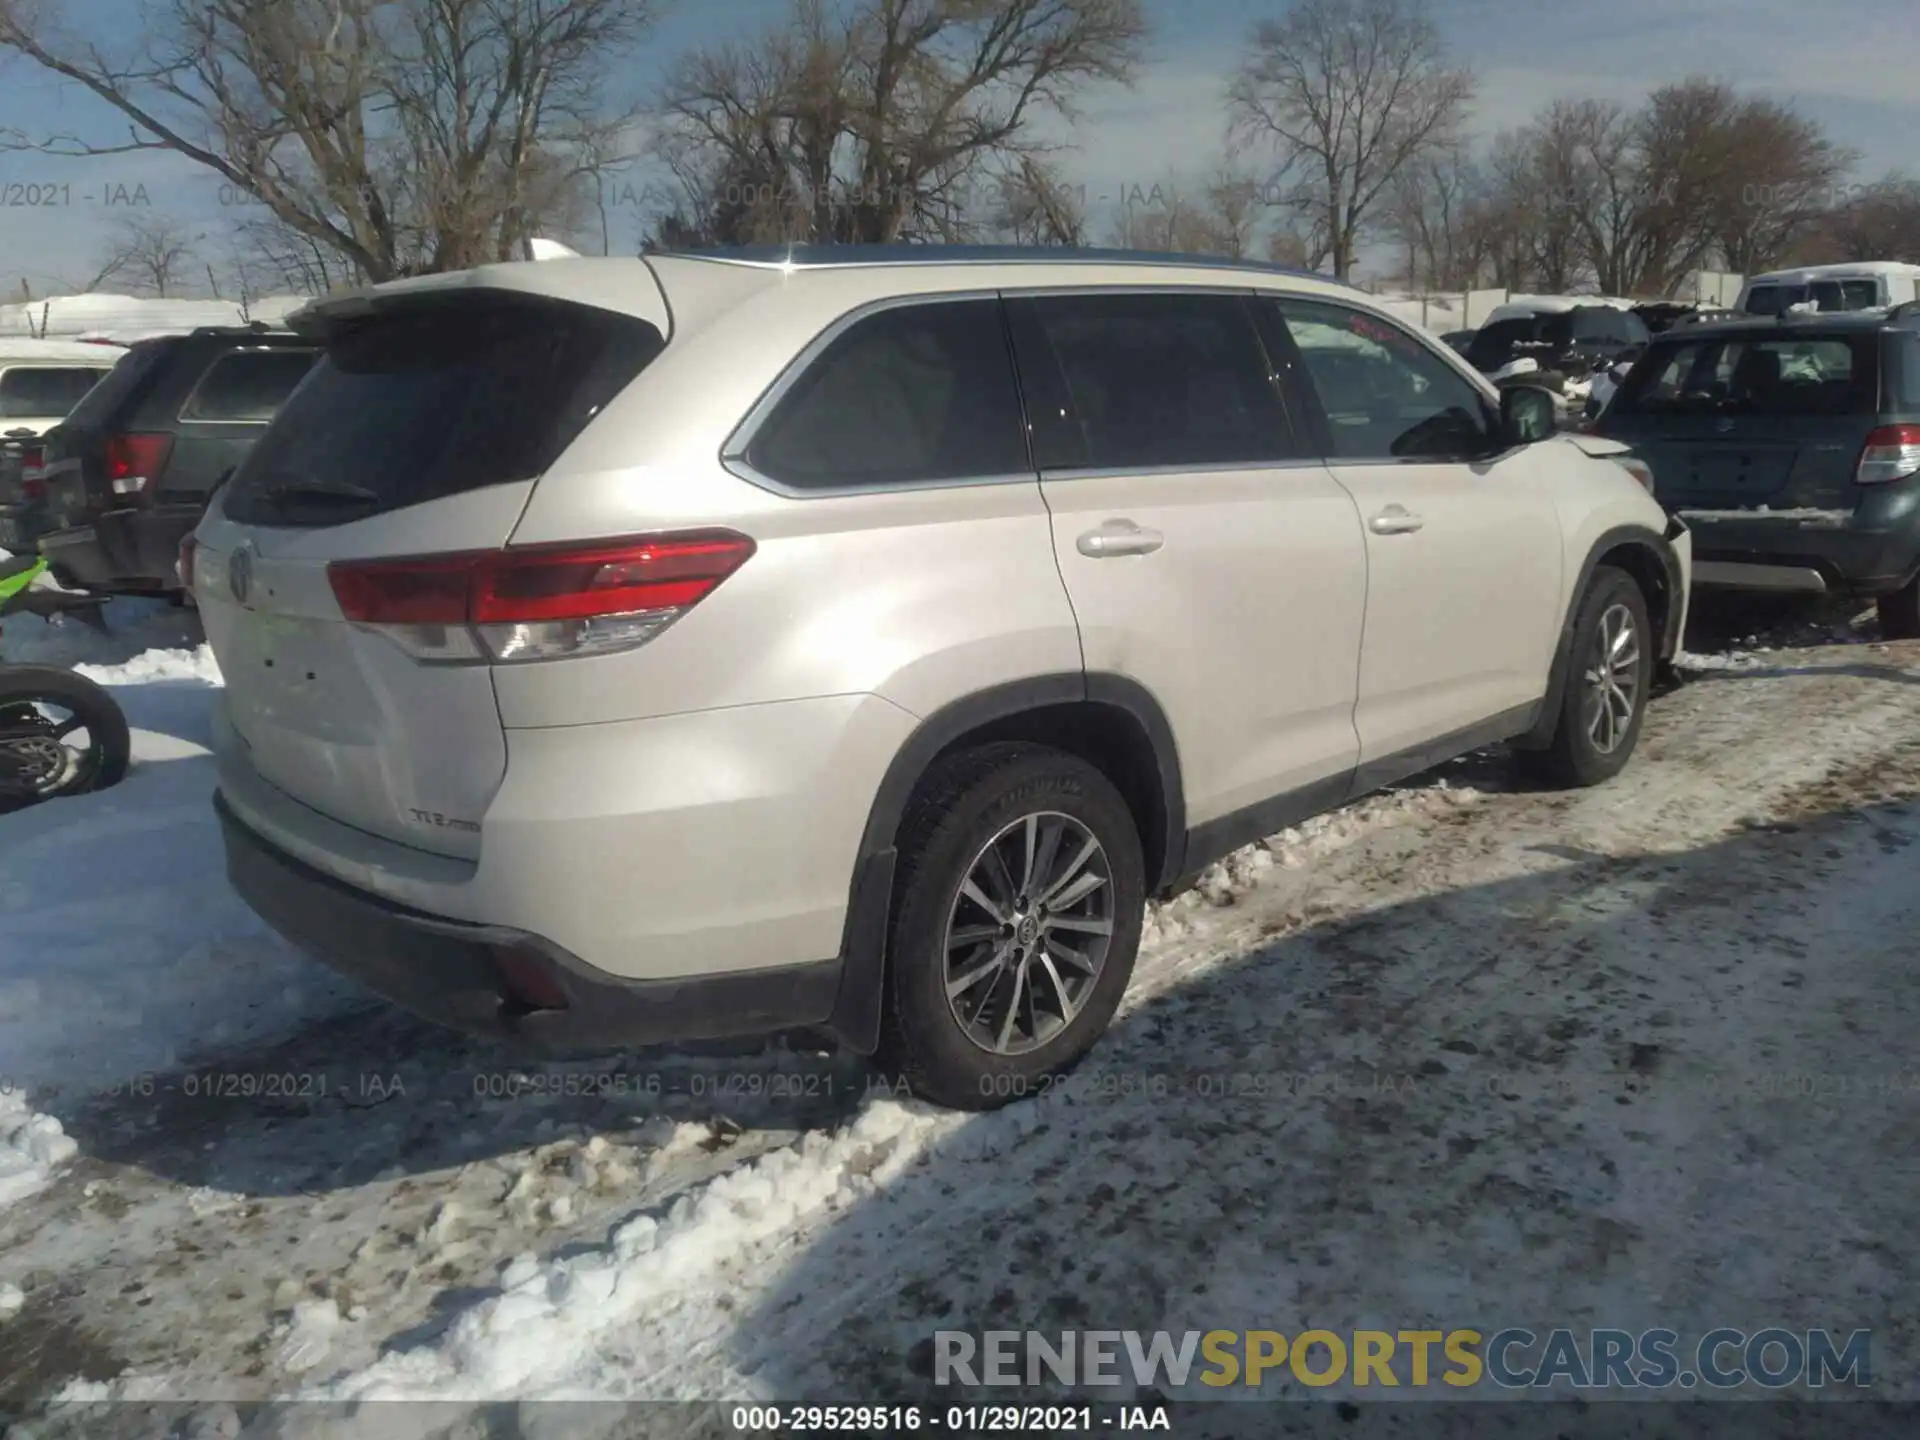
(101, 405)
(434, 400)
(37, 391)
(1152, 380)
(1796, 375)
(912, 394)
(1846, 294)
(247, 386)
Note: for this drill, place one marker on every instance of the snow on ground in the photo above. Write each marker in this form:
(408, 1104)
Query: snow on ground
(1229, 1158)
(122, 949)
(416, 1214)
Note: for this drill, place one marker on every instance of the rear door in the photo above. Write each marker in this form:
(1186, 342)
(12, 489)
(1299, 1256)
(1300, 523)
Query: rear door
(421, 432)
(1775, 419)
(1207, 557)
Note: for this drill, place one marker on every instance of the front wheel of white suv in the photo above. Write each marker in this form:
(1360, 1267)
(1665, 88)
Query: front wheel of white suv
(1016, 920)
(1604, 699)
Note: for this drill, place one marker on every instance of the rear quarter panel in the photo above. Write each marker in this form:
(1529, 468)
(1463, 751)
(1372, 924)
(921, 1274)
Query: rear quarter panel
(919, 596)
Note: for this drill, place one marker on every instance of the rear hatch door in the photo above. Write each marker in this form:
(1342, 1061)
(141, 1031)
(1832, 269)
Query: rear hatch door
(1772, 421)
(422, 432)
(73, 453)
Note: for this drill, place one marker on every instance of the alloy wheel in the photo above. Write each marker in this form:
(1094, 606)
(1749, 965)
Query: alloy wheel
(1613, 679)
(1027, 934)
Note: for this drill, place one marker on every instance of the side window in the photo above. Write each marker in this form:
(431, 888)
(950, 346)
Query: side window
(1152, 379)
(35, 392)
(247, 386)
(1385, 394)
(912, 393)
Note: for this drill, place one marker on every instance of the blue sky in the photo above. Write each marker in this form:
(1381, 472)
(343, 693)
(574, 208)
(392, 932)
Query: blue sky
(1848, 63)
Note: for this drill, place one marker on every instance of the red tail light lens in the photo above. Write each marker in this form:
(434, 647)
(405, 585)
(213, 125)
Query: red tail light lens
(134, 462)
(539, 602)
(1891, 453)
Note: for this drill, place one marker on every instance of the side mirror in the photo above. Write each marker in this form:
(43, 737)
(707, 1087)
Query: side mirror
(1528, 413)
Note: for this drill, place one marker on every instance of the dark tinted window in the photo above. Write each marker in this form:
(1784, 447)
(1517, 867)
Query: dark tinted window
(1156, 380)
(910, 394)
(38, 391)
(435, 400)
(99, 408)
(1385, 394)
(1846, 294)
(247, 385)
(1518, 336)
(1794, 375)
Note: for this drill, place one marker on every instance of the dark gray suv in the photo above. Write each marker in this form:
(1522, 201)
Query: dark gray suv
(1791, 447)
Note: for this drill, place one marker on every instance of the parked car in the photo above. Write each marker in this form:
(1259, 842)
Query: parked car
(1862, 285)
(1564, 337)
(40, 381)
(624, 651)
(128, 473)
(1791, 445)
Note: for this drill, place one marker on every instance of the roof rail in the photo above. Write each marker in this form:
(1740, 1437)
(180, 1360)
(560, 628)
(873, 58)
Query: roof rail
(829, 256)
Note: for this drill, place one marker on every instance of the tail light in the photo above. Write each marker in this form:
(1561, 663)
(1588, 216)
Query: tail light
(1891, 453)
(540, 602)
(134, 462)
(183, 568)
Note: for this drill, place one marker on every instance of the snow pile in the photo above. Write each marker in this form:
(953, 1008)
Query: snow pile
(32, 1147)
(126, 318)
(667, 1276)
(1729, 660)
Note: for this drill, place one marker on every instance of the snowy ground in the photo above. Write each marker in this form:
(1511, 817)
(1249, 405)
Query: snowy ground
(1462, 1054)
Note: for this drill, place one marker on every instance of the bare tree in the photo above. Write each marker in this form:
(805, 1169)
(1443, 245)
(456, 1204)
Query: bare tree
(1348, 93)
(1428, 210)
(881, 119)
(1034, 206)
(1880, 221)
(1776, 178)
(151, 254)
(396, 135)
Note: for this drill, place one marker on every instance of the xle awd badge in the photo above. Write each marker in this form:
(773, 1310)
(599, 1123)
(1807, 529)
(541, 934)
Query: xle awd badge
(240, 573)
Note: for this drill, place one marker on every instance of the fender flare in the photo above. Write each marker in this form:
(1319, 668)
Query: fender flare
(855, 1021)
(1661, 548)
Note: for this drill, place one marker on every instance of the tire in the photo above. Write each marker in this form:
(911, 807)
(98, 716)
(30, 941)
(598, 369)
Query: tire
(110, 746)
(982, 1051)
(1900, 612)
(1578, 755)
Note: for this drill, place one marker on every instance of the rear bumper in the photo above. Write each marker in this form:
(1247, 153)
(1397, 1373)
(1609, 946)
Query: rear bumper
(1809, 554)
(499, 982)
(130, 550)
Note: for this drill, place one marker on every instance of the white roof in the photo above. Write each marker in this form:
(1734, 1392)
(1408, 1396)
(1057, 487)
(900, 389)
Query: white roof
(1519, 307)
(17, 348)
(1857, 268)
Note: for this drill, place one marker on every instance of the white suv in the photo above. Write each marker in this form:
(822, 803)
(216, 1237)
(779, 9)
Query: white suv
(625, 651)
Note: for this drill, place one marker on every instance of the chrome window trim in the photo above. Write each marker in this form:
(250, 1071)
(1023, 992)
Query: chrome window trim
(733, 451)
(1148, 472)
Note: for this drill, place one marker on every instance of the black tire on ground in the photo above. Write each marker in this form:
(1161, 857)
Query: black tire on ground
(1575, 758)
(1900, 612)
(107, 734)
(961, 805)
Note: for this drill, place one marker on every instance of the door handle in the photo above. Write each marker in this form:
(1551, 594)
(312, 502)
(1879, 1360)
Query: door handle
(1395, 520)
(1119, 537)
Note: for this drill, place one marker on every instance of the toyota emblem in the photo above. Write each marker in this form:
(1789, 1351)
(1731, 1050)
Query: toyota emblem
(240, 573)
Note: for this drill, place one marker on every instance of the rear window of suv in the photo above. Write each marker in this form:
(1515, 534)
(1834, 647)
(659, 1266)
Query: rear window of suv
(30, 392)
(434, 400)
(1775, 375)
